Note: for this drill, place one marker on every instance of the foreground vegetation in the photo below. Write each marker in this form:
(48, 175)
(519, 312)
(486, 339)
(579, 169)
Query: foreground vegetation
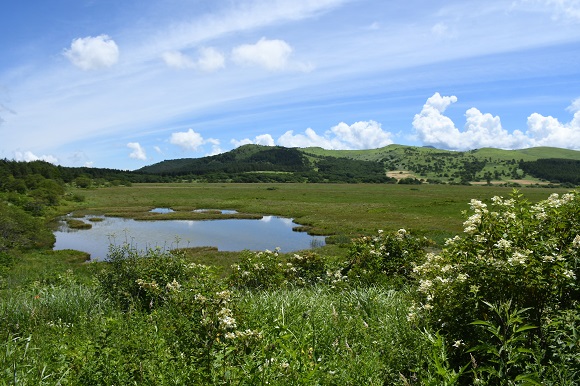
(412, 291)
(498, 305)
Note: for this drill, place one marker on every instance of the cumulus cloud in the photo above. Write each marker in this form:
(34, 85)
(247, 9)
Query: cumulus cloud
(138, 151)
(28, 156)
(549, 131)
(209, 60)
(360, 135)
(263, 139)
(273, 55)
(485, 130)
(92, 53)
(191, 140)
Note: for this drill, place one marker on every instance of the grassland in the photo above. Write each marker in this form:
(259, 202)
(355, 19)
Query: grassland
(61, 328)
(346, 210)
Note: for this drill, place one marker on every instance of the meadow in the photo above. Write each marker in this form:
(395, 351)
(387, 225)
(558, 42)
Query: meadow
(327, 209)
(362, 310)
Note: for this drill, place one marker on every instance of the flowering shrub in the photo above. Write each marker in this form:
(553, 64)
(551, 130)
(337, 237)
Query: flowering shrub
(510, 251)
(306, 268)
(259, 270)
(267, 269)
(386, 256)
(142, 279)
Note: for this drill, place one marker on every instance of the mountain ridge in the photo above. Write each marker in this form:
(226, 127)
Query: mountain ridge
(250, 163)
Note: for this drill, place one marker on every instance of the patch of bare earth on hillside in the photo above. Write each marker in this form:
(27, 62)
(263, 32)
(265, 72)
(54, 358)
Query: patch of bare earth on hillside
(400, 174)
(528, 182)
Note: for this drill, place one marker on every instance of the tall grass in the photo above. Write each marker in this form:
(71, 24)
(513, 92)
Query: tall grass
(322, 336)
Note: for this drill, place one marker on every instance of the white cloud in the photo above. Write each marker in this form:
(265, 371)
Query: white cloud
(209, 60)
(138, 151)
(481, 130)
(263, 139)
(569, 9)
(548, 131)
(442, 31)
(485, 130)
(273, 55)
(360, 135)
(191, 140)
(28, 156)
(309, 138)
(176, 59)
(91, 53)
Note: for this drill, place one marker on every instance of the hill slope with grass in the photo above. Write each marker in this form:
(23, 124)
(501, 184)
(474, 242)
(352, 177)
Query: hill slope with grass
(255, 163)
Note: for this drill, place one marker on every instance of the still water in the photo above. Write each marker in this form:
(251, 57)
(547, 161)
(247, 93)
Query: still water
(269, 232)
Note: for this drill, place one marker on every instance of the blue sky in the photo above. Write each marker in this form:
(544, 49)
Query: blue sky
(124, 84)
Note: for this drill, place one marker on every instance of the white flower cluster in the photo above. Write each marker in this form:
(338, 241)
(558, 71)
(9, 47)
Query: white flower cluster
(226, 319)
(174, 286)
(243, 334)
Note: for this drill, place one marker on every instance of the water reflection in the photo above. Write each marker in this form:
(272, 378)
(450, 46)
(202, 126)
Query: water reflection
(227, 235)
(161, 210)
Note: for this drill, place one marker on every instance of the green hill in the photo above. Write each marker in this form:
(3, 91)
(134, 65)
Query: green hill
(255, 163)
(480, 165)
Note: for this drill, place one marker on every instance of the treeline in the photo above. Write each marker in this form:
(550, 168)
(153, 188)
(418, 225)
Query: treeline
(240, 160)
(252, 163)
(555, 170)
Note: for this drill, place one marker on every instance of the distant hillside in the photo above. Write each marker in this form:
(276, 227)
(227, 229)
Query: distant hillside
(405, 164)
(255, 163)
(445, 166)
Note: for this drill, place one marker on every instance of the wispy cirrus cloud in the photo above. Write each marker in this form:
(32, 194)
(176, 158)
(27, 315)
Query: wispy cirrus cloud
(209, 60)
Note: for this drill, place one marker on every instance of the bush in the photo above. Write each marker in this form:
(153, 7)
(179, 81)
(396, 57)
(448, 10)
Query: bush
(142, 279)
(385, 257)
(511, 252)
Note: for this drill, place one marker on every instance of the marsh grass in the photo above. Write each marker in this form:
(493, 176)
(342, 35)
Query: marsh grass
(78, 224)
(327, 209)
(315, 334)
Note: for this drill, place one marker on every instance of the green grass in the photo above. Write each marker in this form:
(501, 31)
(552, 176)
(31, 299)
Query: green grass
(329, 209)
(58, 328)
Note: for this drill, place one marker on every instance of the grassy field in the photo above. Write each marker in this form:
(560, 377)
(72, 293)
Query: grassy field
(160, 320)
(347, 210)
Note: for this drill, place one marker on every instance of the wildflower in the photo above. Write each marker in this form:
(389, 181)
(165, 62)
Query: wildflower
(569, 274)
(230, 335)
(224, 295)
(503, 244)
(458, 343)
(462, 277)
(478, 206)
(548, 259)
(576, 242)
(517, 258)
(225, 318)
(173, 286)
(425, 285)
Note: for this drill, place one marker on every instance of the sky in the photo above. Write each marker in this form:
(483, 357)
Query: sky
(125, 84)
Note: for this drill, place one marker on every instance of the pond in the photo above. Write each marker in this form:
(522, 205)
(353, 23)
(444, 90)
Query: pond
(270, 232)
